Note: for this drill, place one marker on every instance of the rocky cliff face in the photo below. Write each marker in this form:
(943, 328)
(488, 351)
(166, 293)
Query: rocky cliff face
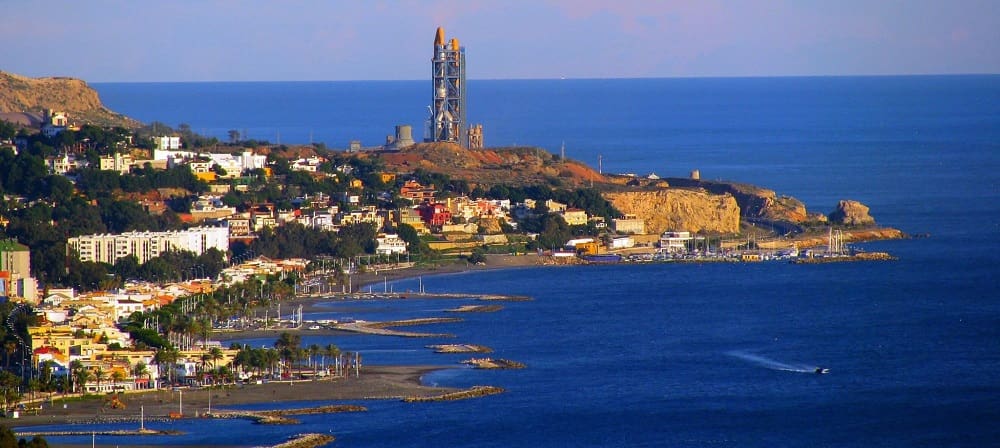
(851, 213)
(677, 209)
(756, 202)
(32, 95)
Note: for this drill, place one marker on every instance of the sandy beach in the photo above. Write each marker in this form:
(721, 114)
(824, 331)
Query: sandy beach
(375, 382)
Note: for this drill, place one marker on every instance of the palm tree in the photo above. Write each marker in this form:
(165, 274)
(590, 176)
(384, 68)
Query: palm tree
(118, 376)
(34, 385)
(166, 357)
(314, 351)
(81, 376)
(242, 360)
(332, 351)
(139, 370)
(100, 375)
(215, 354)
(288, 345)
(10, 347)
(270, 358)
(205, 328)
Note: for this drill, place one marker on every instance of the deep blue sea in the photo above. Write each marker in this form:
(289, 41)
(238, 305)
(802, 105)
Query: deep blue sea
(679, 354)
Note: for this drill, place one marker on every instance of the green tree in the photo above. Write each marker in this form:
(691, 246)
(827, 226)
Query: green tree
(10, 389)
(288, 346)
(9, 440)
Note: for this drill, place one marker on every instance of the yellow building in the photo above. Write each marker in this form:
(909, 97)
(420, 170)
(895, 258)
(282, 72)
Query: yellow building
(209, 176)
(590, 248)
(575, 217)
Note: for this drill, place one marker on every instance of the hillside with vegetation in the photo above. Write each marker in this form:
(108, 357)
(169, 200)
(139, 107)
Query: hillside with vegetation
(28, 97)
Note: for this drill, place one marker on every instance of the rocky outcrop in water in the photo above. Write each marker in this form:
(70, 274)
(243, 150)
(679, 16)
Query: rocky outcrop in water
(851, 213)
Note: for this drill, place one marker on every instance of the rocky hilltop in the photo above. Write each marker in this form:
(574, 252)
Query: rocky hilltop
(491, 166)
(680, 209)
(22, 99)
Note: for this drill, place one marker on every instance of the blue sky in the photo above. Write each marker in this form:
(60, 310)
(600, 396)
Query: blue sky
(216, 40)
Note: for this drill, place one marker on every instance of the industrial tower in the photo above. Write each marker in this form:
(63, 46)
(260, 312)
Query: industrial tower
(447, 122)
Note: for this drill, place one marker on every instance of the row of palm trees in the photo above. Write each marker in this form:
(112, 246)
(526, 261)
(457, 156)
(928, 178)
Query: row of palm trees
(193, 318)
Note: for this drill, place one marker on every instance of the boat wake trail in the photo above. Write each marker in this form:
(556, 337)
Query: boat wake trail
(772, 364)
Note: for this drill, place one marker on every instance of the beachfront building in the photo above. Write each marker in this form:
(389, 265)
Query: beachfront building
(108, 248)
(675, 242)
(622, 242)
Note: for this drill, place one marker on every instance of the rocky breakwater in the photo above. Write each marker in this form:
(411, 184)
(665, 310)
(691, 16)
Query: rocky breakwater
(680, 209)
(306, 441)
(472, 392)
(493, 364)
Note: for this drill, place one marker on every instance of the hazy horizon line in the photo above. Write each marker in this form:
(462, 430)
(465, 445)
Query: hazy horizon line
(877, 75)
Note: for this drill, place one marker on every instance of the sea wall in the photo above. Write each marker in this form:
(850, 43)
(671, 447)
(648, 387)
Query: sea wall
(680, 210)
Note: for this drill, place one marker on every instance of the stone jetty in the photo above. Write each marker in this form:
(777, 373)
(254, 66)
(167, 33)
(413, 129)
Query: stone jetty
(473, 392)
(306, 441)
(490, 363)
(476, 309)
(460, 348)
(383, 328)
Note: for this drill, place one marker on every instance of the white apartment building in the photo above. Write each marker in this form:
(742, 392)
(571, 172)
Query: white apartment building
(107, 248)
(233, 164)
(167, 143)
(390, 244)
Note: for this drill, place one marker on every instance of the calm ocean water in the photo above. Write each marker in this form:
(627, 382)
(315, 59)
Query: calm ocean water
(688, 355)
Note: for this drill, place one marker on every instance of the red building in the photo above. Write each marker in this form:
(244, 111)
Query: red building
(435, 215)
